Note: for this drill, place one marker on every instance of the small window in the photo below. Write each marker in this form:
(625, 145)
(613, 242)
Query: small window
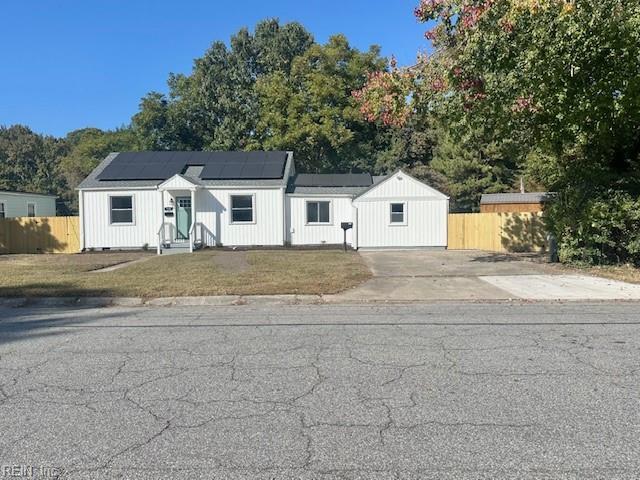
(318, 212)
(121, 210)
(397, 213)
(2, 213)
(242, 208)
(31, 209)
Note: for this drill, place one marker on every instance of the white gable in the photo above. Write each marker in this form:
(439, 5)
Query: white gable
(178, 182)
(401, 185)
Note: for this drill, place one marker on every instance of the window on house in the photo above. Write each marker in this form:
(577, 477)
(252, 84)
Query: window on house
(397, 213)
(31, 209)
(2, 212)
(318, 212)
(121, 210)
(242, 208)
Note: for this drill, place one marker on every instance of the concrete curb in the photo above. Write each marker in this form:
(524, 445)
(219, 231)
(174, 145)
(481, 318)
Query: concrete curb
(259, 300)
(220, 300)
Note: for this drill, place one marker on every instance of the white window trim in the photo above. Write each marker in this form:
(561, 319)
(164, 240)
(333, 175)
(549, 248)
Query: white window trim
(133, 210)
(306, 219)
(35, 213)
(253, 208)
(2, 210)
(404, 215)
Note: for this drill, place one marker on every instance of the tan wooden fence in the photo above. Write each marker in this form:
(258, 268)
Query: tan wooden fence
(40, 235)
(497, 232)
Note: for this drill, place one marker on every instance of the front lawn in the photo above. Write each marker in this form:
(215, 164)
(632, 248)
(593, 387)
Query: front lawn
(207, 272)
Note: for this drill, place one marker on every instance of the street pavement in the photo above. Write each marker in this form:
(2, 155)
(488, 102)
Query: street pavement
(443, 391)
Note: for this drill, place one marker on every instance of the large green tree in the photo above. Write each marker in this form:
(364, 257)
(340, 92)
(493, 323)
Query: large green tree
(312, 111)
(216, 106)
(84, 149)
(557, 79)
(28, 161)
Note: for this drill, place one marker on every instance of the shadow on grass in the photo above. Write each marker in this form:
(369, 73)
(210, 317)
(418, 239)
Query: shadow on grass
(54, 289)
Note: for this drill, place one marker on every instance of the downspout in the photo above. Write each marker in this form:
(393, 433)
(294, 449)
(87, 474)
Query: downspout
(354, 240)
(284, 217)
(81, 209)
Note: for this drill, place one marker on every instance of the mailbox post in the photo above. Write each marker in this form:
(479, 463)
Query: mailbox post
(345, 226)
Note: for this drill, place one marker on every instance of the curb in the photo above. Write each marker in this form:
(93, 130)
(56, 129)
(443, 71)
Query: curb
(220, 300)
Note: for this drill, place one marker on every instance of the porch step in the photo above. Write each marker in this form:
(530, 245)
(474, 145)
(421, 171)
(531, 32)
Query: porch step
(176, 247)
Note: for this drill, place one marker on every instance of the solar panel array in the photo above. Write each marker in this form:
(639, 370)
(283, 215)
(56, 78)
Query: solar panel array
(216, 165)
(333, 180)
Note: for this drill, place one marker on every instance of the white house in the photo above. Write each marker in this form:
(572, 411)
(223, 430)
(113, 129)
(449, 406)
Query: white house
(192, 199)
(21, 204)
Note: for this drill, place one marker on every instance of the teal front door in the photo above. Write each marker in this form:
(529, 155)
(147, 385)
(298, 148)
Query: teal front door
(183, 217)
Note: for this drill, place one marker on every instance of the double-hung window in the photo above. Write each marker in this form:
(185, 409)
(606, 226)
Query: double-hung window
(121, 210)
(319, 212)
(31, 209)
(242, 208)
(397, 214)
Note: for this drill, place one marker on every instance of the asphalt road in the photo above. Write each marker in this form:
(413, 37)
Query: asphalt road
(322, 392)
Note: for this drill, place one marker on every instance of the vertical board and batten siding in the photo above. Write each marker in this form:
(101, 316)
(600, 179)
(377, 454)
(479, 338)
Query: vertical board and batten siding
(511, 207)
(213, 208)
(426, 212)
(100, 233)
(301, 233)
(40, 235)
(15, 204)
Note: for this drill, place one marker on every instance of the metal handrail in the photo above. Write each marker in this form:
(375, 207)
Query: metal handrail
(161, 237)
(192, 238)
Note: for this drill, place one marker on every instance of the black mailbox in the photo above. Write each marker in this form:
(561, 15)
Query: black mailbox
(345, 226)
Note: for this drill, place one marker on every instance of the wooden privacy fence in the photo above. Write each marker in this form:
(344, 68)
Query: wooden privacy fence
(497, 232)
(40, 235)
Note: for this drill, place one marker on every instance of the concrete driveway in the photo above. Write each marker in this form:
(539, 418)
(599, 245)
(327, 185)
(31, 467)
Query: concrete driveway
(421, 275)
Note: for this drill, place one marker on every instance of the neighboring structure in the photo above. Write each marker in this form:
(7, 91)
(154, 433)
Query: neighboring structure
(514, 202)
(189, 199)
(20, 204)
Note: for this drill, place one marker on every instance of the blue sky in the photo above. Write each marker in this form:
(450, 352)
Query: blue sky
(68, 64)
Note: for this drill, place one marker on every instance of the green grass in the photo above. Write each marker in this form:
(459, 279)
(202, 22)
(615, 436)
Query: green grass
(262, 272)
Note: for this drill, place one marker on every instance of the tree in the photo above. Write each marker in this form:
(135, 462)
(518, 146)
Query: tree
(216, 107)
(85, 149)
(312, 111)
(558, 79)
(28, 161)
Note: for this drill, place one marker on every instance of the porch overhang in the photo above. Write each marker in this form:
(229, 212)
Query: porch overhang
(179, 182)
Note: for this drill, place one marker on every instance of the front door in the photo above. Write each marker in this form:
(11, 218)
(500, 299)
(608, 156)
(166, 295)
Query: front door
(183, 217)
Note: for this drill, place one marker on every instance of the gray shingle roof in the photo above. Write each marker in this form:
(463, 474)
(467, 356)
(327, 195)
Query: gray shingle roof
(92, 182)
(529, 197)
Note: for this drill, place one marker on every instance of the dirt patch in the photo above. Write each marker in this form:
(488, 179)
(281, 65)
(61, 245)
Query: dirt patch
(232, 262)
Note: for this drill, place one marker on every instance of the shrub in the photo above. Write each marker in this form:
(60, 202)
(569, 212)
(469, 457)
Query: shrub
(598, 228)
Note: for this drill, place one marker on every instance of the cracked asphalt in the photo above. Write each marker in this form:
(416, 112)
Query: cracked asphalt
(322, 392)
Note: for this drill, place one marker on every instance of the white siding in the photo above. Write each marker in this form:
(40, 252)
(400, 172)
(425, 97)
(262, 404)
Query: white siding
(214, 213)
(100, 233)
(426, 212)
(301, 233)
(15, 204)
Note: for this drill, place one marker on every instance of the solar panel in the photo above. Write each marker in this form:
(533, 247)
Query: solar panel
(273, 170)
(216, 165)
(333, 180)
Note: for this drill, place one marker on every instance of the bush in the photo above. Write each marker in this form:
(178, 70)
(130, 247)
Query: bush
(597, 229)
